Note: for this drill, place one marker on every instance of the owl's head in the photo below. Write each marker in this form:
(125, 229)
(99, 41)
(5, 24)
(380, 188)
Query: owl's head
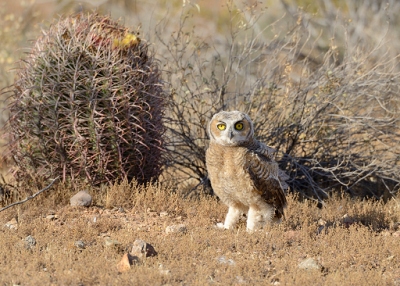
(230, 128)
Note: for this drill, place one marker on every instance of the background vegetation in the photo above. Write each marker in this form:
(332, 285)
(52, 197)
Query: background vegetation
(319, 78)
(87, 103)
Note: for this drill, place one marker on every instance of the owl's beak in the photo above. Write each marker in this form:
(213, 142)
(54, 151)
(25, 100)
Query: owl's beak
(230, 134)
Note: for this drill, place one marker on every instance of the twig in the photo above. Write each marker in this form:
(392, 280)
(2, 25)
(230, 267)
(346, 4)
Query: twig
(30, 197)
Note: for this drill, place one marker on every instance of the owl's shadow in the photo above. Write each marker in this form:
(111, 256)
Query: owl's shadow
(374, 220)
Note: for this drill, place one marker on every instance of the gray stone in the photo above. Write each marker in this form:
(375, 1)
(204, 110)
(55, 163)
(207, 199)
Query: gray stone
(348, 220)
(163, 270)
(224, 260)
(309, 264)
(81, 198)
(80, 244)
(29, 242)
(176, 228)
(111, 242)
(142, 249)
(12, 224)
(163, 214)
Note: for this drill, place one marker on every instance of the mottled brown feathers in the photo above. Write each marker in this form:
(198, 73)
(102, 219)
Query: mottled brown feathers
(264, 173)
(243, 172)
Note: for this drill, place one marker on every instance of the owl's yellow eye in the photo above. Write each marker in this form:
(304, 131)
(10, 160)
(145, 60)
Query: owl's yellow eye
(239, 126)
(221, 126)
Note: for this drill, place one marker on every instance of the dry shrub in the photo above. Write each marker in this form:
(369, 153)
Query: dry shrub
(330, 108)
(87, 103)
(320, 86)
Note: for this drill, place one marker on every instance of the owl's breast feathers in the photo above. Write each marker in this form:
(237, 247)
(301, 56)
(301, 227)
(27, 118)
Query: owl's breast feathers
(267, 178)
(230, 166)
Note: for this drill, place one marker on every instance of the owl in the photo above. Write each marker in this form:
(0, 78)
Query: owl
(243, 172)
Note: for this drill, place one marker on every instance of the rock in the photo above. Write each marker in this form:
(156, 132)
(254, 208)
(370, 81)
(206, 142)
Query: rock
(163, 214)
(396, 233)
(51, 217)
(126, 262)
(309, 264)
(80, 244)
(224, 260)
(176, 228)
(111, 242)
(118, 209)
(347, 220)
(81, 198)
(104, 234)
(390, 257)
(320, 229)
(142, 249)
(12, 224)
(29, 242)
(163, 271)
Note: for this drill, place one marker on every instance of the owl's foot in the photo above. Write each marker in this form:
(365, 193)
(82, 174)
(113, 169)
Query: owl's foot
(232, 217)
(258, 216)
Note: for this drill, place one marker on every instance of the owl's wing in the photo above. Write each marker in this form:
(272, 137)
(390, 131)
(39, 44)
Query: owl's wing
(262, 149)
(267, 178)
(269, 152)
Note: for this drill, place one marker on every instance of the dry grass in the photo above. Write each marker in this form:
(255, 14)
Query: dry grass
(362, 249)
(352, 242)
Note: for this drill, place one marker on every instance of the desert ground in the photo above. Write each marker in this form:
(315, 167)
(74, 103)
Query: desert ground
(45, 241)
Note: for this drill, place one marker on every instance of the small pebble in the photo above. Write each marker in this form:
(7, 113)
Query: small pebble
(163, 214)
(29, 242)
(176, 228)
(51, 217)
(224, 260)
(80, 244)
(12, 224)
(111, 242)
(309, 264)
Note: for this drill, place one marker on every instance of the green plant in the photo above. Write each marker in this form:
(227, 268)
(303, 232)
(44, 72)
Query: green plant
(88, 103)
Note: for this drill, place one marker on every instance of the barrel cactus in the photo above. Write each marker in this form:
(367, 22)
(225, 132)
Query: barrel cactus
(88, 103)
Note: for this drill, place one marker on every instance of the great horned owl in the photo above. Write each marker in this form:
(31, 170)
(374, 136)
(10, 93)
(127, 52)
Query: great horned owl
(243, 172)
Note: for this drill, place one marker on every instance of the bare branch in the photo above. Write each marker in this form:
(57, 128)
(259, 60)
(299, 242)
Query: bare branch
(30, 197)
